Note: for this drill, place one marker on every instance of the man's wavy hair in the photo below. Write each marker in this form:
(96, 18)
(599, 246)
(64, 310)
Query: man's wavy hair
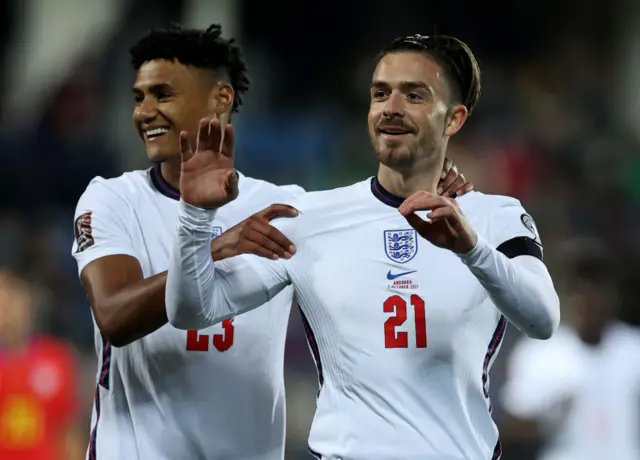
(456, 58)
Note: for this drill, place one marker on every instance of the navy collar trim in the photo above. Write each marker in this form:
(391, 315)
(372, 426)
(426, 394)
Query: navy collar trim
(161, 184)
(383, 195)
(164, 187)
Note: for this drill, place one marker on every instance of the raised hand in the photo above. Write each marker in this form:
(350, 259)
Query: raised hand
(452, 183)
(208, 179)
(254, 235)
(447, 228)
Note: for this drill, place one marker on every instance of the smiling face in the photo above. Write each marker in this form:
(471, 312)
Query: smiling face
(412, 114)
(170, 97)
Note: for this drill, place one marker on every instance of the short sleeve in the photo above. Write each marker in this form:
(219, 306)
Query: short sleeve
(100, 225)
(510, 220)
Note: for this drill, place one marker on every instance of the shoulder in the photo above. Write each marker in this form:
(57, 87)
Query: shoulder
(499, 218)
(325, 211)
(328, 200)
(293, 189)
(114, 190)
(480, 203)
(257, 194)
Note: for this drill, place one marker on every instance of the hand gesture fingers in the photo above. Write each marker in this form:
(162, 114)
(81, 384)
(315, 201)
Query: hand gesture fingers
(270, 238)
(256, 236)
(442, 213)
(230, 182)
(203, 138)
(429, 229)
(423, 201)
(445, 185)
(464, 188)
(228, 141)
(277, 210)
(208, 179)
(185, 147)
(446, 167)
(446, 227)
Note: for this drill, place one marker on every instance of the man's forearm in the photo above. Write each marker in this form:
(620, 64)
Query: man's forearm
(520, 288)
(134, 312)
(191, 271)
(201, 293)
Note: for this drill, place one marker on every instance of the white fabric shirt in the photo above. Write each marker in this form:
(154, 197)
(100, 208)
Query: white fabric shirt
(587, 398)
(211, 395)
(402, 332)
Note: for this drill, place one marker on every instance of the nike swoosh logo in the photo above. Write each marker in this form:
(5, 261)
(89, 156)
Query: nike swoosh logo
(391, 276)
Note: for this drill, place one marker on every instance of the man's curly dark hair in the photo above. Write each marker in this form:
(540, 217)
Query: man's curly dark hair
(203, 49)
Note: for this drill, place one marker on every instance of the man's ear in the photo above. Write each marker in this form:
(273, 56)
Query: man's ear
(222, 96)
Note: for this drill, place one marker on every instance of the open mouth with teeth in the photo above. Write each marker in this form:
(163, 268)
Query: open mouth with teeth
(154, 133)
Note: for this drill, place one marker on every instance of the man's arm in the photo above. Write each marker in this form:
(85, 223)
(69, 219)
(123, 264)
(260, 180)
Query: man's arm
(201, 292)
(126, 305)
(518, 283)
(510, 268)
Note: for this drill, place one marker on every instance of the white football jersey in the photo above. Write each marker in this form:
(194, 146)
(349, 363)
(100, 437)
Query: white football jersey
(209, 395)
(402, 332)
(587, 398)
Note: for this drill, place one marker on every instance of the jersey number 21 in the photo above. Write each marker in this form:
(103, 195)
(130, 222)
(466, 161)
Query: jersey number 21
(398, 306)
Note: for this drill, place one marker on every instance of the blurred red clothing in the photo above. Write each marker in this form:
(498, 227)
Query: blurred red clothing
(37, 400)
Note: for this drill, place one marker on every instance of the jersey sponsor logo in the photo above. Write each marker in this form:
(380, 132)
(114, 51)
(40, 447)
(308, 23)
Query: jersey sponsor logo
(392, 276)
(530, 225)
(83, 232)
(217, 231)
(400, 245)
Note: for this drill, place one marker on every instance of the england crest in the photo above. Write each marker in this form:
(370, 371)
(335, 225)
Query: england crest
(400, 245)
(217, 231)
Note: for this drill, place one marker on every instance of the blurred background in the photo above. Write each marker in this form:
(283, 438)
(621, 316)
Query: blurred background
(558, 126)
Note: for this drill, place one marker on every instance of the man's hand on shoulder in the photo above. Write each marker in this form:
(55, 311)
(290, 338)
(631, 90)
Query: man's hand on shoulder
(452, 183)
(254, 235)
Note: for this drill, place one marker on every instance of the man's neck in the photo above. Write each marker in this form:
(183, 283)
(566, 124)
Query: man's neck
(170, 170)
(404, 184)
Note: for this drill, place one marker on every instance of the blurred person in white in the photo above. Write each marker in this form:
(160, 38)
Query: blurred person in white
(163, 393)
(579, 393)
(38, 383)
(404, 315)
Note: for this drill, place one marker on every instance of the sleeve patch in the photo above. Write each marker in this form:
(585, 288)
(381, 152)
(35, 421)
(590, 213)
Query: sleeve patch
(530, 225)
(83, 232)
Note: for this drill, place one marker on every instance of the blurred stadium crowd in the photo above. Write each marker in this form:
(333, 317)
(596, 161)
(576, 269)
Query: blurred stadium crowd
(558, 127)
